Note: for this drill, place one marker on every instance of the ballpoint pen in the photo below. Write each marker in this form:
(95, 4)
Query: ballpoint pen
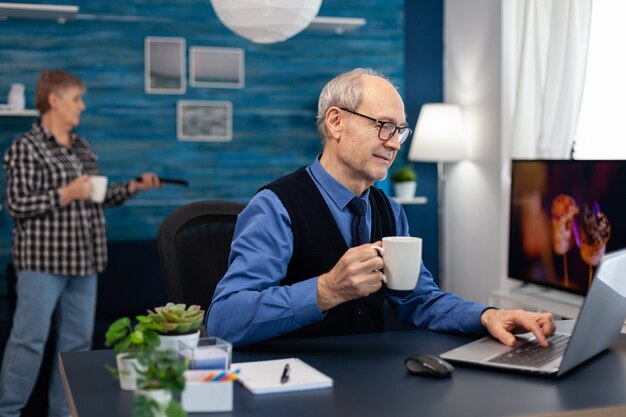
(285, 376)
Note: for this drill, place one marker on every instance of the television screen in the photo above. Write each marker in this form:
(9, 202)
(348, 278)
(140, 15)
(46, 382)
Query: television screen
(565, 215)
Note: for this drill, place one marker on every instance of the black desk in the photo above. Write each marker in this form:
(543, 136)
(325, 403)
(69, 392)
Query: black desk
(370, 380)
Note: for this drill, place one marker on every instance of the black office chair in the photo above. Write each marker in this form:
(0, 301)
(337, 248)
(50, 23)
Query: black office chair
(194, 245)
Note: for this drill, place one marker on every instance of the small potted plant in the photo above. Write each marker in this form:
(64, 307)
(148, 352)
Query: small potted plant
(179, 324)
(160, 382)
(404, 182)
(128, 342)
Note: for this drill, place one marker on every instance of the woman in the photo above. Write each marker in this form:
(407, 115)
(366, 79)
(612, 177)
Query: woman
(59, 239)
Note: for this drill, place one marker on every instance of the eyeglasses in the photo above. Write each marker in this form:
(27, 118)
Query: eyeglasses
(386, 130)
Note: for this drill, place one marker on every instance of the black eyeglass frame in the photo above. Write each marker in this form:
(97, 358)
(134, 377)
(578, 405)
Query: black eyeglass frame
(381, 123)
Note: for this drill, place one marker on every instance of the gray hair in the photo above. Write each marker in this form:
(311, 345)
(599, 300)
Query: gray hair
(342, 91)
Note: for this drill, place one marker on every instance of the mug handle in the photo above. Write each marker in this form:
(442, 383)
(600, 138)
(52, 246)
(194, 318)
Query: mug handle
(381, 252)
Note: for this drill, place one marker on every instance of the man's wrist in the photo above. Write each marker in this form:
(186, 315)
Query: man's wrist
(325, 298)
(484, 316)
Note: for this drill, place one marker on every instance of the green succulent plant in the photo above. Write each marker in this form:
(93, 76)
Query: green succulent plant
(177, 318)
(404, 174)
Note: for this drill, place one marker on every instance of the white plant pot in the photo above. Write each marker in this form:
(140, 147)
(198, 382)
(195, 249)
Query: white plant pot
(172, 342)
(405, 189)
(127, 368)
(161, 396)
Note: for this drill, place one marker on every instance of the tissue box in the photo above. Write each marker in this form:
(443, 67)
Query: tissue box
(199, 396)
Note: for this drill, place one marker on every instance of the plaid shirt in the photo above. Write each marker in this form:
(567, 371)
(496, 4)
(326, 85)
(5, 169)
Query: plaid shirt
(68, 240)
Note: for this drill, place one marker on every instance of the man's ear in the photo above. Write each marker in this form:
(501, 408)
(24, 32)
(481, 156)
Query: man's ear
(334, 122)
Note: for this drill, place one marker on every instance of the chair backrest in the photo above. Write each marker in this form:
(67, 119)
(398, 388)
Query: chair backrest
(194, 245)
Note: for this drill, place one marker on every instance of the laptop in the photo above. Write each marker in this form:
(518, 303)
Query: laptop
(598, 326)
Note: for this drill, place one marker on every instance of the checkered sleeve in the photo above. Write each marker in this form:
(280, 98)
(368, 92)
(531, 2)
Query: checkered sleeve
(117, 194)
(25, 195)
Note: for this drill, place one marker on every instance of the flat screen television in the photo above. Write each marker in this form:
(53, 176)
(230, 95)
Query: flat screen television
(565, 215)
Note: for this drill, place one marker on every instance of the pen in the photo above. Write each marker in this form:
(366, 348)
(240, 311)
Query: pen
(285, 376)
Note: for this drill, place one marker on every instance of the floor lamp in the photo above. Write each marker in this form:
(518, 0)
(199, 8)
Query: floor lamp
(440, 137)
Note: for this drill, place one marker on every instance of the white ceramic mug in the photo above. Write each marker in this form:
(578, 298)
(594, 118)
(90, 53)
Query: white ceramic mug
(98, 188)
(402, 256)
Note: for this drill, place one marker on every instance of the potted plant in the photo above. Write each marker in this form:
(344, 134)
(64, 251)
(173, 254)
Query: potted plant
(405, 182)
(160, 382)
(179, 324)
(128, 342)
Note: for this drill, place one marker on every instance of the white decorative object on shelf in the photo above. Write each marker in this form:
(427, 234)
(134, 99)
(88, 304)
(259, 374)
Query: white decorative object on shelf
(16, 98)
(266, 21)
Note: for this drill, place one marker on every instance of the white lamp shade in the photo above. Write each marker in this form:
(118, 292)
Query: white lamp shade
(439, 134)
(266, 21)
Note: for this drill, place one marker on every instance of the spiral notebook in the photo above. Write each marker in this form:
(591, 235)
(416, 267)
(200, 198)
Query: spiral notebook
(264, 377)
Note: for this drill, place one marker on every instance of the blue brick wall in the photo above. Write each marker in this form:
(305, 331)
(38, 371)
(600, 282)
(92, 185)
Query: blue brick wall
(273, 115)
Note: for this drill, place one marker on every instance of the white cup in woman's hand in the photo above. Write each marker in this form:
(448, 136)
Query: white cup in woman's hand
(402, 256)
(98, 188)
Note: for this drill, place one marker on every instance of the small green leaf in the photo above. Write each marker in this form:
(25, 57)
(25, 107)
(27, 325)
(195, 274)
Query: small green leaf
(136, 337)
(144, 319)
(175, 409)
(122, 346)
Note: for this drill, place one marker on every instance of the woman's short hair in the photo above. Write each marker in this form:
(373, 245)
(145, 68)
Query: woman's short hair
(53, 81)
(342, 91)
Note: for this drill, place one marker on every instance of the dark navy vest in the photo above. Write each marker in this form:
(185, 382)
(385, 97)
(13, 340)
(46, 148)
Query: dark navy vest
(319, 244)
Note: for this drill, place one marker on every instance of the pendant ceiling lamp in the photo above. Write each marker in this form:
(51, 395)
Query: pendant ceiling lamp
(266, 21)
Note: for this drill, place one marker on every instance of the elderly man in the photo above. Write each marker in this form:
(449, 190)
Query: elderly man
(295, 266)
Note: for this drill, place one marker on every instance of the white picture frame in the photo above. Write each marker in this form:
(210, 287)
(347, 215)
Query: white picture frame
(165, 65)
(204, 121)
(216, 67)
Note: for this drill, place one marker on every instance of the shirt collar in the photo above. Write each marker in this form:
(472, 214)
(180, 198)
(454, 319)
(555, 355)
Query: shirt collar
(340, 195)
(48, 136)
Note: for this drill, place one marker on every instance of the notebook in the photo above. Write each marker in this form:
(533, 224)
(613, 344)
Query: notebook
(598, 326)
(264, 377)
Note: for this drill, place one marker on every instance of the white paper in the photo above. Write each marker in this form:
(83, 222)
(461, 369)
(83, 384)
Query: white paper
(263, 377)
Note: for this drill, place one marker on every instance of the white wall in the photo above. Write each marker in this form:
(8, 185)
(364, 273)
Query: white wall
(475, 209)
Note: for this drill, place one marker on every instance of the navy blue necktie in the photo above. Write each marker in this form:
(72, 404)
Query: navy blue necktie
(360, 234)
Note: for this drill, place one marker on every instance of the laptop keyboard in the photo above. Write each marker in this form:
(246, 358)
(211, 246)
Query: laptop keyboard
(531, 354)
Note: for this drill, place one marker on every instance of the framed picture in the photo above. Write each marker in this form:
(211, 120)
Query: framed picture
(216, 67)
(210, 121)
(165, 65)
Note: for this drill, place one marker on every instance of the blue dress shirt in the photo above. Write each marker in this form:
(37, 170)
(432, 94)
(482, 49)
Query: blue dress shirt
(249, 305)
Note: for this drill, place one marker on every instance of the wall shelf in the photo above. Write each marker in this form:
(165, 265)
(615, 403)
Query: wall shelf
(60, 13)
(338, 25)
(19, 113)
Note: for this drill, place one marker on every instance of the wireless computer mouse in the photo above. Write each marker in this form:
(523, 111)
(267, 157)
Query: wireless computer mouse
(428, 365)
